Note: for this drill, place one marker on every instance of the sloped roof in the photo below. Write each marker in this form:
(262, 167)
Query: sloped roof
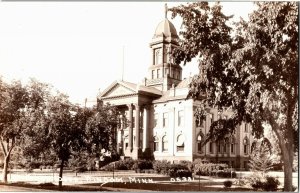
(184, 83)
(135, 88)
(181, 92)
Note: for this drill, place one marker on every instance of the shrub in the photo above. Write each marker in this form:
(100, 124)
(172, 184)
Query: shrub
(47, 184)
(180, 173)
(188, 164)
(81, 169)
(49, 167)
(179, 170)
(257, 184)
(119, 165)
(271, 184)
(227, 184)
(161, 167)
(33, 165)
(208, 169)
(226, 174)
(267, 183)
(144, 164)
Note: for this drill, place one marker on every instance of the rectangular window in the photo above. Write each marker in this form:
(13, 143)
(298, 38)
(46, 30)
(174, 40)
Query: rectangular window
(165, 145)
(219, 148)
(200, 148)
(211, 150)
(245, 149)
(246, 128)
(232, 148)
(180, 148)
(158, 73)
(180, 118)
(153, 74)
(155, 119)
(165, 120)
(155, 146)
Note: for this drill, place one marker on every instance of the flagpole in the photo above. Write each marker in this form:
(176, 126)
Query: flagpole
(123, 64)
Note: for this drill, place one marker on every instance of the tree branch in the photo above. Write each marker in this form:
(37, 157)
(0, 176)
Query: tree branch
(12, 146)
(3, 148)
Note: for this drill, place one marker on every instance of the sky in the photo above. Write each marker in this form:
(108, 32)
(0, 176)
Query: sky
(77, 47)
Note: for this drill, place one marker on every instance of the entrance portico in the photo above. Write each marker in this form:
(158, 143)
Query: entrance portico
(134, 102)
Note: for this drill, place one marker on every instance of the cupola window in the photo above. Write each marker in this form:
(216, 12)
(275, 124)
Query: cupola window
(158, 56)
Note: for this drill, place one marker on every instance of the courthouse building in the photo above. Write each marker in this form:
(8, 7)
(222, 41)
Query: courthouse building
(161, 119)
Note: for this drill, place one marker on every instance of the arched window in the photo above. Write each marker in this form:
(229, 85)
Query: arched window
(246, 145)
(155, 143)
(180, 143)
(165, 143)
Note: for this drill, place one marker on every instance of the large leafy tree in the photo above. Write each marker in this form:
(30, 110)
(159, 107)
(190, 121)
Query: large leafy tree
(101, 129)
(253, 72)
(13, 101)
(20, 109)
(37, 124)
(65, 131)
(60, 131)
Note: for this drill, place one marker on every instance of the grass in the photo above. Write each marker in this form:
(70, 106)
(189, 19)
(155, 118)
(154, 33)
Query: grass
(180, 186)
(50, 186)
(156, 186)
(155, 183)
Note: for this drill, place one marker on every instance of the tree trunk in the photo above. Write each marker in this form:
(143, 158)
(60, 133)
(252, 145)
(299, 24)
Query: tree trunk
(61, 174)
(288, 170)
(5, 169)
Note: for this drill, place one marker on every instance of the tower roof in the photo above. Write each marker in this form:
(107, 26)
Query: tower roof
(165, 29)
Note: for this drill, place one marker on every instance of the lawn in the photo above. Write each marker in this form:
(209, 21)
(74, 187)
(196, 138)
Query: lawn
(49, 186)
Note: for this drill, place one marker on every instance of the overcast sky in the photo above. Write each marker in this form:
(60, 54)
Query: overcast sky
(77, 46)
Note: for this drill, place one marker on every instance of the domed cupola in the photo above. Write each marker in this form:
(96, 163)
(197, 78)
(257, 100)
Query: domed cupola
(165, 32)
(162, 72)
(165, 29)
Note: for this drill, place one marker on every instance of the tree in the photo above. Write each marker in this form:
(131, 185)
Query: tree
(261, 156)
(253, 72)
(66, 129)
(19, 110)
(37, 123)
(13, 100)
(101, 129)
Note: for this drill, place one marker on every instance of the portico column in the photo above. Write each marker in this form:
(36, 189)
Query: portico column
(137, 126)
(130, 127)
(146, 128)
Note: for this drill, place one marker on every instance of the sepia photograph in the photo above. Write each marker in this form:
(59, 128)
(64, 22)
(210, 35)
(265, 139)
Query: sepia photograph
(149, 96)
